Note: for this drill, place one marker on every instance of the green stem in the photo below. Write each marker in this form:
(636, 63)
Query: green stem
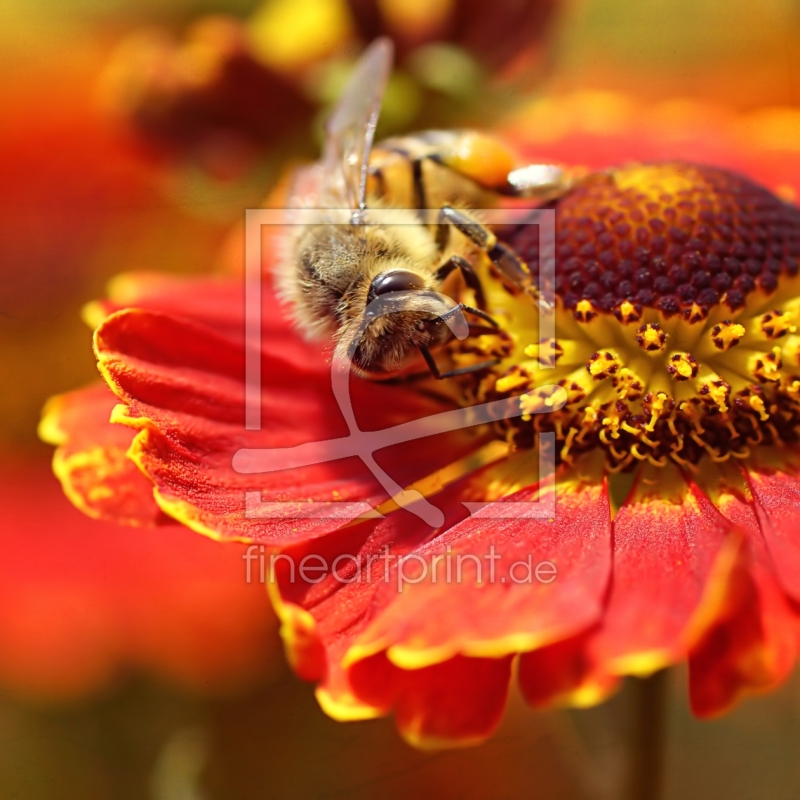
(647, 738)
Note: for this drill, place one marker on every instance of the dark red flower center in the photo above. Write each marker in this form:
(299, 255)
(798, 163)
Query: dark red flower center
(676, 237)
(677, 295)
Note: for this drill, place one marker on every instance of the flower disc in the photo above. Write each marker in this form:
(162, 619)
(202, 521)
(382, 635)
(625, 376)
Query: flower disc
(677, 237)
(676, 291)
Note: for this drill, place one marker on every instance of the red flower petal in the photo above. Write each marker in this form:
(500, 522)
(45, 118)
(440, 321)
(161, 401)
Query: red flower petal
(564, 673)
(481, 578)
(747, 638)
(666, 537)
(329, 626)
(92, 462)
(183, 384)
(325, 603)
(457, 702)
(751, 643)
(777, 503)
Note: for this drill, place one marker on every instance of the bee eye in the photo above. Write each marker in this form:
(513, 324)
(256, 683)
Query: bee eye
(400, 280)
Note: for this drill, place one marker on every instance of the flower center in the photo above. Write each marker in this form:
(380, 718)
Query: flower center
(677, 300)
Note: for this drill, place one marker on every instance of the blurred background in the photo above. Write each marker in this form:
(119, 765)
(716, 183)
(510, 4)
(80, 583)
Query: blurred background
(139, 663)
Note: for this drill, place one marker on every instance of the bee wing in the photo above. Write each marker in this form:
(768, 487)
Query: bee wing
(312, 200)
(351, 128)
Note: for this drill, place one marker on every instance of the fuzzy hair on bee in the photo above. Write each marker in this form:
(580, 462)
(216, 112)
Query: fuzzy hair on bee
(327, 282)
(366, 231)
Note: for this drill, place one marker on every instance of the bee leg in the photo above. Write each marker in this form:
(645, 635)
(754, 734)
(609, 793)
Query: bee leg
(470, 277)
(505, 260)
(473, 230)
(440, 376)
(474, 330)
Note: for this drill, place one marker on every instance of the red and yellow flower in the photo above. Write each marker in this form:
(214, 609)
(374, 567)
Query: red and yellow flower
(677, 488)
(209, 96)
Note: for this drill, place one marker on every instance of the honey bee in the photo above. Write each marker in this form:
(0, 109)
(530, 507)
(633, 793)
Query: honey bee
(334, 267)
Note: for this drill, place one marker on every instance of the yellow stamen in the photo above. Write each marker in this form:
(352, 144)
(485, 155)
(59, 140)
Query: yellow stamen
(682, 366)
(727, 334)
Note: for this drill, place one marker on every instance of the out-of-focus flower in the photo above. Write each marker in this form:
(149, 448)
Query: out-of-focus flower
(209, 95)
(234, 91)
(675, 532)
(291, 35)
(78, 206)
(499, 36)
(713, 51)
(63, 182)
(83, 603)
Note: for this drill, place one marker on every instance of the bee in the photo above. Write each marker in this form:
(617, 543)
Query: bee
(334, 267)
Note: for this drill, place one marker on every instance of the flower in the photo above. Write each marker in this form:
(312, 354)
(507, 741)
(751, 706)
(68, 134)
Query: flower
(676, 491)
(498, 35)
(236, 96)
(86, 603)
(209, 96)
